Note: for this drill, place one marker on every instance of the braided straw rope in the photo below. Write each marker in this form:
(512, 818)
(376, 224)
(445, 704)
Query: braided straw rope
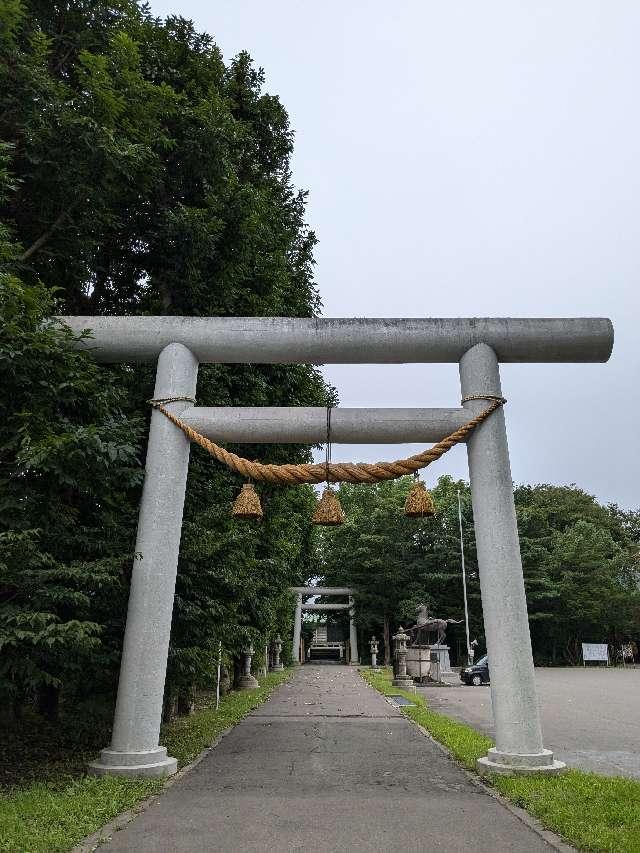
(333, 472)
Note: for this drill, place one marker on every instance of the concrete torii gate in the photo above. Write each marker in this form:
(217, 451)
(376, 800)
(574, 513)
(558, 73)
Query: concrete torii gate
(478, 345)
(300, 591)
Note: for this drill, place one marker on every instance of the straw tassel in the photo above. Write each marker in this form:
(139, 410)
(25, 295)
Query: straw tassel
(419, 503)
(328, 511)
(247, 504)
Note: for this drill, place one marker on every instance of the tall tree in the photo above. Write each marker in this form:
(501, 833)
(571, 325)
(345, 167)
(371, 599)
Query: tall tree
(151, 177)
(69, 470)
(581, 563)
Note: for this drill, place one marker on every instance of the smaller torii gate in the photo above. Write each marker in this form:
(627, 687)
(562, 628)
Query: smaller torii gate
(301, 591)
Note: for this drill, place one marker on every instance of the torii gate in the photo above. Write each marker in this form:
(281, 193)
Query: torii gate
(179, 344)
(299, 592)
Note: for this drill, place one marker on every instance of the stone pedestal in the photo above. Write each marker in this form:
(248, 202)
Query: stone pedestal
(443, 658)
(419, 661)
(152, 762)
(510, 764)
(403, 681)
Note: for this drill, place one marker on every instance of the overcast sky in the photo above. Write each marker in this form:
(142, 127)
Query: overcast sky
(470, 159)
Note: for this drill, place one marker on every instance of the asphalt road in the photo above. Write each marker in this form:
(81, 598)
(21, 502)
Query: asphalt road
(326, 765)
(590, 717)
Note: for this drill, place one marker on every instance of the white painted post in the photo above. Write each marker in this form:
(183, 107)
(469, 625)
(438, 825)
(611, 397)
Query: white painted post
(297, 628)
(218, 680)
(519, 747)
(353, 634)
(134, 749)
(464, 583)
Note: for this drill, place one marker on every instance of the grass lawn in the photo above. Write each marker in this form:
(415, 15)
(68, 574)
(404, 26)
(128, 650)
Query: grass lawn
(54, 815)
(592, 812)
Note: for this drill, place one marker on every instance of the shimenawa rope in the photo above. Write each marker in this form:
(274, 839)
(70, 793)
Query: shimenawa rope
(334, 472)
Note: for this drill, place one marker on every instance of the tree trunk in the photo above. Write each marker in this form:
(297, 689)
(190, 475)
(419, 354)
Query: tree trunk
(48, 702)
(225, 680)
(237, 670)
(186, 702)
(169, 708)
(387, 640)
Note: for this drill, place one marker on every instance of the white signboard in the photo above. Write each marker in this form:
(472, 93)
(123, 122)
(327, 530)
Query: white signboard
(595, 651)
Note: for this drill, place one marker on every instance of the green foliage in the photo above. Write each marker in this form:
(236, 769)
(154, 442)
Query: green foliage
(581, 563)
(140, 174)
(156, 178)
(69, 467)
(582, 570)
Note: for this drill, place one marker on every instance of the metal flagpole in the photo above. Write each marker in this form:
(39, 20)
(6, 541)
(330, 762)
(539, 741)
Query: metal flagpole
(464, 582)
(218, 683)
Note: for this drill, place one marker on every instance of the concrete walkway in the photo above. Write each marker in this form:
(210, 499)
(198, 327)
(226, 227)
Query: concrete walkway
(326, 765)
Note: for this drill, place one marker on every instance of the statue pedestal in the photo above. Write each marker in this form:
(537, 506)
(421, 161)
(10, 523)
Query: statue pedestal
(419, 661)
(420, 665)
(443, 657)
(403, 681)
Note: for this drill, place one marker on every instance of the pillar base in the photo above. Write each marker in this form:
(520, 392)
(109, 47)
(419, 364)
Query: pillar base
(404, 681)
(277, 668)
(519, 764)
(247, 682)
(154, 762)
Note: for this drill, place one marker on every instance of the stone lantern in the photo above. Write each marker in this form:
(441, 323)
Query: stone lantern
(373, 646)
(402, 679)
(277, 648)
(246, 680)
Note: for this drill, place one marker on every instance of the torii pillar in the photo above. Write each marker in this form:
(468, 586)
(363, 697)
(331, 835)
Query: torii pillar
(297, 630)
(353, 634)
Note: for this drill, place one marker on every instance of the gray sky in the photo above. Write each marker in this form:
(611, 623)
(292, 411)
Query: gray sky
(470, 159)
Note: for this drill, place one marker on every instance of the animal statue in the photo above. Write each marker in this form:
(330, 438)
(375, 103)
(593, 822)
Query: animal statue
(428, 625)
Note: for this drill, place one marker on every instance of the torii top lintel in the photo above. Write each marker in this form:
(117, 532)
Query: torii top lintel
(295, 340)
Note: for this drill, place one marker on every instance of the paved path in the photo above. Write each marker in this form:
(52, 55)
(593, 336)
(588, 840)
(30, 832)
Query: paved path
(326, 766)
(589, 716)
